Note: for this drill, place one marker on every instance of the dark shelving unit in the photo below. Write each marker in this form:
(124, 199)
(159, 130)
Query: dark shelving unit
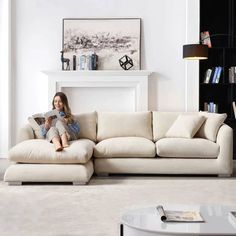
(217, 17)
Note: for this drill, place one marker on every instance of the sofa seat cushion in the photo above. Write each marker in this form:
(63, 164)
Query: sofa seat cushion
(26, 172)
(125, 147)
(41, 151)
(187, 148)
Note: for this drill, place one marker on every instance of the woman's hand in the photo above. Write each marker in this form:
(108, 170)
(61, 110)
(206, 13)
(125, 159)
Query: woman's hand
(65, 120)
(48, 123)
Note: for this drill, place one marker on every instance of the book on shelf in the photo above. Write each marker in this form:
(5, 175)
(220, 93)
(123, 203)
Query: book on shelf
(211, 107)
(205, 38)
(215, 75)
(234, 108)
(232, 74)
(178, 216)
(38, 119)
(207, 76)
(88, 62)
(218, 75)
(205, 106)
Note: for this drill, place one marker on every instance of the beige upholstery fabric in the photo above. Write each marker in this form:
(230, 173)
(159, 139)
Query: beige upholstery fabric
(124, 124)
(162, 121)
(41, 151)
(207, 157)
(35, 127)
(76, 173)
(25, 132)
(156, 166)
(185, 126)
(125, 147)
(225, 157)
(88, 125)
(210, 127)
(222, 165)
(187, 148)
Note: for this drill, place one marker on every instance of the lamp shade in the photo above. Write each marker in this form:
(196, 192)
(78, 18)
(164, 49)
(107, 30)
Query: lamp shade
(195, 51)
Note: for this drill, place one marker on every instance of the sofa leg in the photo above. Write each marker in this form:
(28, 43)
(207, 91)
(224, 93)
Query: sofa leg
(224, 176)
(79, 183)
(14, 183)
(102, 174)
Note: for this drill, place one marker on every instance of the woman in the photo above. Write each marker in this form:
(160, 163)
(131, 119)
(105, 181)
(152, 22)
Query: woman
(66, 129)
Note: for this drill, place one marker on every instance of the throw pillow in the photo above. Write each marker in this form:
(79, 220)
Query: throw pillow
(210, 127)
(185, 126)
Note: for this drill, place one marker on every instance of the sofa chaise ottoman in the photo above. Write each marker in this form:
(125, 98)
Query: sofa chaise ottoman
(127, 142)
(35, 160)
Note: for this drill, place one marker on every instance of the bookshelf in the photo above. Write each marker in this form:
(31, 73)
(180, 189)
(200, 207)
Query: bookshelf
(217, 17)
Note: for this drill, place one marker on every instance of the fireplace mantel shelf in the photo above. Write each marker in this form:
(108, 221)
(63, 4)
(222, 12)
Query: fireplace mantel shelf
(99, 73)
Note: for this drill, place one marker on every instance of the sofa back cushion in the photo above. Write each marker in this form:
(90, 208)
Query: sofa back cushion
(87, 122)
(35, 127)
(162, 121)
(124, 124)
(88, 125)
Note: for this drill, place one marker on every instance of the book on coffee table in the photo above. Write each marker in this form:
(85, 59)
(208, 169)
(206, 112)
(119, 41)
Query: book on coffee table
(179, 216)
(232, 218)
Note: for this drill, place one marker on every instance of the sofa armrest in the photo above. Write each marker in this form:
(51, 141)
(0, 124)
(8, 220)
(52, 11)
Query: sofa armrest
(24, 133)
(225, 158)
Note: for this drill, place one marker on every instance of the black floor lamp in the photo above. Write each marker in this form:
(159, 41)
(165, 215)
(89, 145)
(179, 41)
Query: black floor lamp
(195, 52)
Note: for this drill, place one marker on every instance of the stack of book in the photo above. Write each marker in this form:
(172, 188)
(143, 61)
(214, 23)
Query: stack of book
(232, 74)
(234, 109)
(213, 75)
(211, 107)
(88, 62)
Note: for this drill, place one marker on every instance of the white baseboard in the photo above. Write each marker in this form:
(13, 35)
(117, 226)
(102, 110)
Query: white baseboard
(3, 156)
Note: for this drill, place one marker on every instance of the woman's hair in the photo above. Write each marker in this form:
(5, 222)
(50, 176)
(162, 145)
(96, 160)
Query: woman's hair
(66, 107)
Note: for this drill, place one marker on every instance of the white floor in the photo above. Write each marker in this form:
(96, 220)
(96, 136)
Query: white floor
(4, 163)
(96, 209)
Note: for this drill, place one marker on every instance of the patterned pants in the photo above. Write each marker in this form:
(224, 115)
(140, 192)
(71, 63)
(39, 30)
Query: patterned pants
(59, 129)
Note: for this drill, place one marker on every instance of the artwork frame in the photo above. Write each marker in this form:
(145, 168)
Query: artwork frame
(109, 38)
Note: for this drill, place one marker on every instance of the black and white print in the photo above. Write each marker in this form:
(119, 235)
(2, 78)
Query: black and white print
(109, 38)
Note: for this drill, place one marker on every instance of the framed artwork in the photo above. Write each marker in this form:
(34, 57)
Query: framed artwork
(111, 39)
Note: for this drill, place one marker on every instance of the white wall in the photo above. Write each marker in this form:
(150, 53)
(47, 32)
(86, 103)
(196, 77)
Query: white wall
(37, 40)
(4, 77)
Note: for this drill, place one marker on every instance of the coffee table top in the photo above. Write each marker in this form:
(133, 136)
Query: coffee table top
(217, 220)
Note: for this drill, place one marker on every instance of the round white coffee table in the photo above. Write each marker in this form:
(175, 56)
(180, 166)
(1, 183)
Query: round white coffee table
(146, 222)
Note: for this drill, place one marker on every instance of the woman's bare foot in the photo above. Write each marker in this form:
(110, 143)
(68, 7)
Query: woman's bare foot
(58, 149)
(57, 144)
(64, 140)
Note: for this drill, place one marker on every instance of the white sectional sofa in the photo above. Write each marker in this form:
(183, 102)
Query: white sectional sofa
(127, 142)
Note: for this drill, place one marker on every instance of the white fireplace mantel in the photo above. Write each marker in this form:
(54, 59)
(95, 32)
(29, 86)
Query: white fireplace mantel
(101, 90)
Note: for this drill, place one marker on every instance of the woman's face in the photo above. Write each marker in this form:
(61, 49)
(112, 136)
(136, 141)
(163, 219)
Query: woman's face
(58, 103)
